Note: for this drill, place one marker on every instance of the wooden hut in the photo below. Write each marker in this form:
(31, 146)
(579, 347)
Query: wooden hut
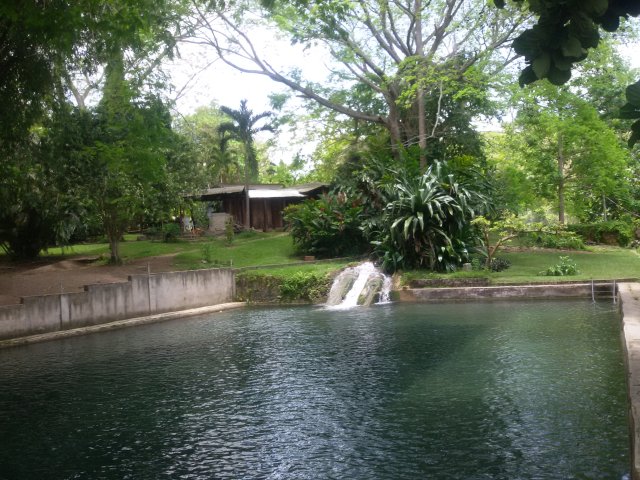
(266, 202)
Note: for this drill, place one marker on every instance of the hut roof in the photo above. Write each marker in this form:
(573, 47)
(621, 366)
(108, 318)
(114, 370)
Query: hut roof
(282, 193)
(261, 191)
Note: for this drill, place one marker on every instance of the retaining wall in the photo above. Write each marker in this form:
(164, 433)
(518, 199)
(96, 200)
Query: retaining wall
(629, 294)
(141, 295)
(504, 292)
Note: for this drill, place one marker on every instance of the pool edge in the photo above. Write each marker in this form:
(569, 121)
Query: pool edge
(130, 322)
(629, 295)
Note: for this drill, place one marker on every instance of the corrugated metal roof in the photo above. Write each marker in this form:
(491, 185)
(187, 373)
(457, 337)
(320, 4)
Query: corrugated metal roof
(224, 190)
(261, 191)
(267, 193)
(308, 187)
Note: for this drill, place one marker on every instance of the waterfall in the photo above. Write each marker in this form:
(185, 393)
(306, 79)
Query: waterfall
(360, 285)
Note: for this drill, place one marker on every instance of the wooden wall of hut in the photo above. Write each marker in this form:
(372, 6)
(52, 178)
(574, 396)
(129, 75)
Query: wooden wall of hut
(266, 213)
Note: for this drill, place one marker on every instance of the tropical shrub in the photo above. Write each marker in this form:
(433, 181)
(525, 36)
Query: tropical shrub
(498, 264)
(564, 268)
(427, 222)
(327, 227)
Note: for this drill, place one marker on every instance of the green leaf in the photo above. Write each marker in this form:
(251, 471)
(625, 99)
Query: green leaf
(541, 65)
(407, 224)
(629, 111)
(572, 48)
(527, 76)
(528, 44)
(558, 77)
(633, 94)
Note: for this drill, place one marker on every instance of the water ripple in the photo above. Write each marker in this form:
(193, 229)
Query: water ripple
(490, 391)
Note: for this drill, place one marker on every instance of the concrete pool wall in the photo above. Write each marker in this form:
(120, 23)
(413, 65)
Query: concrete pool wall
(141, 295)
(598, 289)
(629, 295)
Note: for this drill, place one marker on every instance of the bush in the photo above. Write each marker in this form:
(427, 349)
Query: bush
(562, 240)
(207, 252)
(327, 227)
(427, 222)
(304, 286)
(564, 268)
(499, 264)
(229, 233)
(170, 232)
(611, 233)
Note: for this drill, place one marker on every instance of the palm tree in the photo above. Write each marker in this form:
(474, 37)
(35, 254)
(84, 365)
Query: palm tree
(242, 129)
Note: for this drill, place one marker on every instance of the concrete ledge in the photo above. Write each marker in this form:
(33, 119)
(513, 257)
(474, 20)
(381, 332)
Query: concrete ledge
(140, 296)
(504, 292)
(629, 294)
(131, 322)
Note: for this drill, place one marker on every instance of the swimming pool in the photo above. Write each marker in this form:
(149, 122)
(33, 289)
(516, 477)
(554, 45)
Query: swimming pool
(531, 390)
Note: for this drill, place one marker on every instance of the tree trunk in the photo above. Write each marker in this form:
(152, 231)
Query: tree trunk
(422, 128)
(393, 126)
(247, 202)
(114, 247)
(561, 185)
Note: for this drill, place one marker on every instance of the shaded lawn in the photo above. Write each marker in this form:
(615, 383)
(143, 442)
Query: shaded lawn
(598, 263)
(246, 250)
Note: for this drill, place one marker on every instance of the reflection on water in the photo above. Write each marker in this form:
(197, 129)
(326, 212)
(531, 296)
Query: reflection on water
(467, 391)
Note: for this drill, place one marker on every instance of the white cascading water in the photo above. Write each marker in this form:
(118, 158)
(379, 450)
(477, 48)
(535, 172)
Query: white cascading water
(385, 291)
(364, 278)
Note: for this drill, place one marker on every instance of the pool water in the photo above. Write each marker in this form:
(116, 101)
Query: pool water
(518, 390)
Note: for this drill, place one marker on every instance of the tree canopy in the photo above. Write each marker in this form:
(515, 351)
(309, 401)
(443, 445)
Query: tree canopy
(563, 35)
(400, 52)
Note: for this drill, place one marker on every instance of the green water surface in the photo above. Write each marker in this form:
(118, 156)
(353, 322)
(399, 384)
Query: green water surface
(519, 390)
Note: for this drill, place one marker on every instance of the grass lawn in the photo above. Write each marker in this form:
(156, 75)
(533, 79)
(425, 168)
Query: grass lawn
(276, 248)
(247, 250)
(598, 263)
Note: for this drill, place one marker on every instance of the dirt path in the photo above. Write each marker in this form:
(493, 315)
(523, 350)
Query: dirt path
(69, 275)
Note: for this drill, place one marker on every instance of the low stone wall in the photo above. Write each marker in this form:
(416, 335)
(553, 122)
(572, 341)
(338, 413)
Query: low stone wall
(141, 295)
(506, 292)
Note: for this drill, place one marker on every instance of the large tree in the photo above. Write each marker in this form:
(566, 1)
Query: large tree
(213, 163)
(41, 42)
(570, 154)
(404, 52)
(129, 152)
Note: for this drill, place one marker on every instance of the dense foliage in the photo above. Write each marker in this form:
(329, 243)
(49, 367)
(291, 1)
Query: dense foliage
(411, 221)
(427, 222)
(327, 227)
(613, 232)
